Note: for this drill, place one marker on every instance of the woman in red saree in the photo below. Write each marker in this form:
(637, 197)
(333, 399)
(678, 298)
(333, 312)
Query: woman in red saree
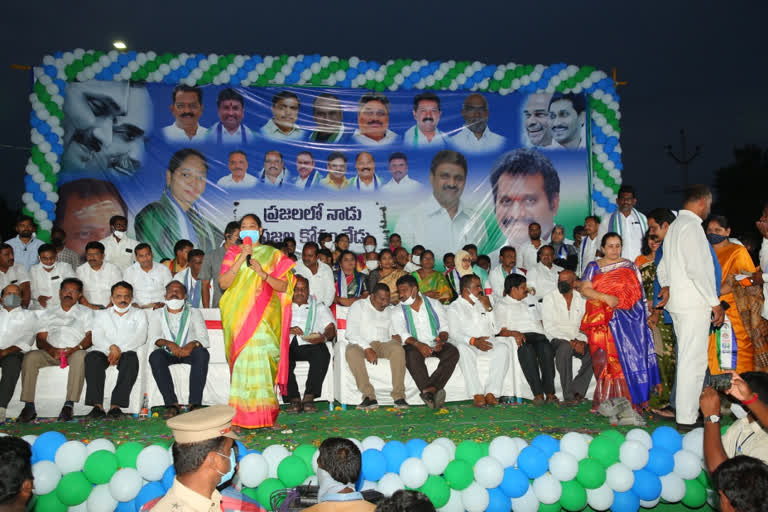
(256, 317)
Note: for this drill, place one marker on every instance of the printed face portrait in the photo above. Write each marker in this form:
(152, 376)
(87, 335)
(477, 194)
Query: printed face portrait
(520, 201)
(448, 182)
(475, 113)
(327, 114)
(105, 125)
(285, 112)
(231, 114)
(565, 123)
(427, 115)
(337, 168)
(536, 119)
(373, 119)
(273, 165)
(187, 109)
(187, 182)
(398, 168)
(84, 213)
(304, 165)
(365, 166)
(238, 165)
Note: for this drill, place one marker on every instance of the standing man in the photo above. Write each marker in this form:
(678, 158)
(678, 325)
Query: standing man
(567, 114)
(590, 244)
(530, 250)
(14, 273)
(319, 274)
(118, 332)
(25, 244)
(186, 107)
(475, 136)
(400, 182)
(97, 276)
(373, 121)
(305, 170)
(285, 112)
(17, 333)
(329, 120)
(148, 279)
(238, 176)
(499, 273)
(312, 324)
(190, 278)
(64, 253)
(46, 277)
(424, 134)
(118, 247)
(543, 276)
(686, 274)
(366, 179)
(209, 273)
(627, 222)
(423, 326)
(230, 129)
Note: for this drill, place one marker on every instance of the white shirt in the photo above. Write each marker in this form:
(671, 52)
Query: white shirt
(466, 142)
(17, 328)
(413, 137)
(65, 328)
(48, 284)
(160, 330)
(422, 327)
(764, 268)
(247, 181)
(302, 182)
(496, 278)
(128, 332)
(745, 438)
(97, 284)
(543, 279)
(173, 133)
(321, 284)
(323, 318)
(406, 185)
(587, 253)
(687, 267)
(632, 233)
(430, 225)
(390, 137)
(17, 274)
(467, 321)
(271, 131)
(26, 254)
(148, 287)
(120, 252)
(527, 254)
(365, 324)
(561, 322)
(517, 315)
(229, 138)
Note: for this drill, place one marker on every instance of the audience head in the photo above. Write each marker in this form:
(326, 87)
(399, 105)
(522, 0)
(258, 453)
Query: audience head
(195, 261)
(47, 255)
(406, 501)
(742, 483)
(546, 255)
(143, 253)
(508, 256)
(290, 244)
(301, 290)
(650, 244)
(427, 260)
(371, 260)
(11, 296)
(122, 295)
(611, 245)
(386, 259)
(369, 243)
(70, 291)
(7, 259)
(118, 225)
(325, 256)
(558, 234)
(659, 220)
(395, 241)
(463, 262)
(181, 249)
(341, 459)
(578, 234)
(16, 480)
(469, 285)
(401, 256)
(58, 238)
(565, 281)
(325, 240)
(626, 199)
(718, 229)
(309, 254)
(515, 286)
(342, 242)
(175, 290)
(472, 250)
(250, 227)
(484, 262)
(25, 226)
(698, 199)
(347, 262)
(94, 254)
(591, 225)
(449, 260)
(534, 231)
(380, 296)
(231, 232)
(407, 288)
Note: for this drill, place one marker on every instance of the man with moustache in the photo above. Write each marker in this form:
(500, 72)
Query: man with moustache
(526, 191)
(238, 176)
(400, 182)
(329, 120)
(148, 279)
(17, 332)
(426, 112)
(186, 107)
(627, 221)
(567, 114)
(25, 244)
(14, 273)
(285, 112)
(590, 244)
(98, 277)
(336, 178)
(366, 179)
(318, 274)
(475, 136)
(305, 169)
(536, 121)
(118, 247)
(230, 129)
(499, 273)
(373, 121)
(273, 174)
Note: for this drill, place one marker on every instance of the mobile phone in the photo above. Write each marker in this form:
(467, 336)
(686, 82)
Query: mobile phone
(721, 382)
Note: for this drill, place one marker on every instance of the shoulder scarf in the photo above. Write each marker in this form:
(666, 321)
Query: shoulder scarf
(180, 337)
(434, 321)
(342, 278)
(615, 222)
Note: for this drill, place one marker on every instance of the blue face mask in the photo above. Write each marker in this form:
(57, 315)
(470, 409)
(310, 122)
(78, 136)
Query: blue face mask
(226, 477)
(715, 239)
(253, 233)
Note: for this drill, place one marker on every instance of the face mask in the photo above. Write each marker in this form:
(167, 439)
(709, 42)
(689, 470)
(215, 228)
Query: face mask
(119, 234)
(328, 485)
(372, 264)
(329, 245)
(409, 301)
(48, 267)
(369, 248)
(563, 287)
(714, 238)
(226, 477)
(416, 259)
(253, 234)
(120, 310)
(738, 411)
(175, 303)
(12, 300)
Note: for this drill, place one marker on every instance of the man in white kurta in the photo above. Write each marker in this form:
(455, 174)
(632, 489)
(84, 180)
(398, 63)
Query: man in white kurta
(590, 244)
(97, 276)
(527, 254)
(190, 278)
(119, 247)
(686, 275)
(627, 222)
(542, 277)
(118, 333)
(148, 279)
(499, 273)
(17, 333)
(14, 273)
(45, 278)
(319, 274)
(473, 329)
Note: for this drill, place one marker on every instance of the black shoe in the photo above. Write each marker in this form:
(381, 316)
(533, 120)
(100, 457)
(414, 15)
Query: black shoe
(115, 414)
(684, 428)
(27, 415)
(368, 405)
(96, 413)
(429, 399)
(66, 414)
(194, 407)
(439, 398)
(400, 403)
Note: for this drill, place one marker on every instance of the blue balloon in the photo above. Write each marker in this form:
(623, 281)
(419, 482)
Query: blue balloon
(647, 485)
(149, 492)
(660, 461)
(515, 482)
(395, 452)
(374, 465)
(533, 462)
(51, 71)
(667, 438)
(241, 450)
(625, 502)
(39, 196)
(498, 501)
(126, 506)
(416, 447)
(547, 444)
(168, 477)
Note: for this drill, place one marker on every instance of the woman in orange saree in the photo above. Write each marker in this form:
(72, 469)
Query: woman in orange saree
(256, 317)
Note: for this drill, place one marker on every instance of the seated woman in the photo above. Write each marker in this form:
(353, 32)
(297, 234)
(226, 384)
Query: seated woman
(463, 267)
(341, 244)
(432, 283)
(351, 285)
(387, 273)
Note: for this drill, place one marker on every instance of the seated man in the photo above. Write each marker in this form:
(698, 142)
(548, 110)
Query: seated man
(17, 331)
(97, 276)
(189, 277)
(312, 324)
(14, 273)
(561, 314)
(16, 479)
(473, 328)
(339, 463)
(369, 334)
(519, 320)
(179, 332)
(46, 277)
(497, 275)
(118, 332)
(63, 336)
(421, 322)
(148, 279)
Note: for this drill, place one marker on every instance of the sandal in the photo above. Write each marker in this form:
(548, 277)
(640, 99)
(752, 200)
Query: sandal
(295, 406)
(665, 412)
(171, 411)
(310, 406)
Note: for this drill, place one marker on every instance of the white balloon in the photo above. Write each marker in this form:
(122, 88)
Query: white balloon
(125, 484)
(448, 445)
(413, 472)
(563, 466)
(649, 504)
(475, 498)
(373, 442)
(46, 475)
(687, 465)
(253, 469)
(314, 460)
(30, 439)
(488, 472)
(389, 484)
(693, 441)
(633, 454)
(70, 457)
(526, 503)
(600, 498)
(575, 444)
(520, 443)
(547, 489)
(152, 462)
(619, 477)
(368, 486)
(672, 488)
(436, 457)
(504, 449)
(274, 454)
(454, 503)
(101, 500)
(83, 507)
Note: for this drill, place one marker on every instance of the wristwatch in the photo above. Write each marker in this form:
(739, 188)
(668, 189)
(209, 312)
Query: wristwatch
(712, 419)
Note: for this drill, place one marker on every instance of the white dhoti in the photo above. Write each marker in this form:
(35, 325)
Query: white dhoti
(498, 366)
(692, 333)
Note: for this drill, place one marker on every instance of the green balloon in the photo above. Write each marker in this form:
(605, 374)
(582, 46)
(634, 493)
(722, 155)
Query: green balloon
(306, 452)
(574, 497)
(100, 466)
(437, 490)
(552, 507)
(292, 471)
(695, 494)
(605, 450)
(73, 488)
(164, 444)
(126, 454)
(266, 489)
(250, 492)
(459, 474)
(703, 479)
(49, 503)
(615, 435)
(470, 451)
(591, 473)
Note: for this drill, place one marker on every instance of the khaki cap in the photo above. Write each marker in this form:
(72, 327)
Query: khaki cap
(203, 424)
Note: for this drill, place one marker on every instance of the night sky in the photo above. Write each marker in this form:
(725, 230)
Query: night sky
(694, 65)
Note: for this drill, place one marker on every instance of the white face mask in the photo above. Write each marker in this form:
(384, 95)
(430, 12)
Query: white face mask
(120, 310)
(738, 411)
(416, 259)
(175, 303)
(409, 301)
(119, 234)
(48, 267)
(369, 248)
(372, 264)
(329, 245)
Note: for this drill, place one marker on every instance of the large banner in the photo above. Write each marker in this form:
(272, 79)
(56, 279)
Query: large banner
(442, 169)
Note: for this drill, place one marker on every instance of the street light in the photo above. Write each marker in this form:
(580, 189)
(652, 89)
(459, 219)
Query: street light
(119, 45)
